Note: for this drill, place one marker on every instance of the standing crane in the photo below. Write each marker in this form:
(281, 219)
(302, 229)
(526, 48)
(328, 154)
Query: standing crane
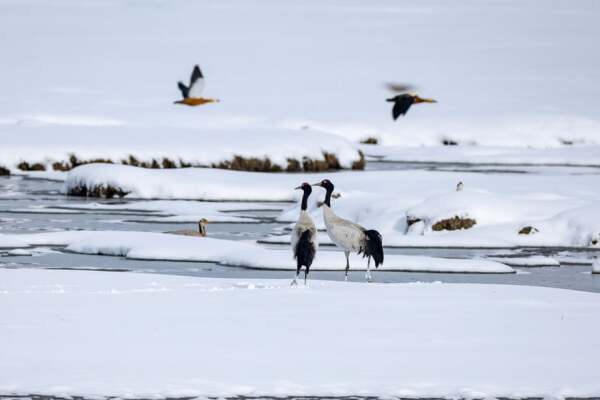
(349, 236)
(304, 236)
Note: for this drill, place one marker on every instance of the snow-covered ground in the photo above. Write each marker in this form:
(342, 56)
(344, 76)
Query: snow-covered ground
(164, 246)
(504, 73)
(142, 335)
(517, 83)
(562, 207)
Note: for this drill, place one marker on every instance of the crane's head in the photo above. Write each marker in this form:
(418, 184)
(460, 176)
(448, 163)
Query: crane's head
(305, 187)
(325, 184)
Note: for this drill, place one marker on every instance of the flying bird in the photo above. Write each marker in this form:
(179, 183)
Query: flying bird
(191, 93)
(304, 236)
(349, 236)
(404, 100)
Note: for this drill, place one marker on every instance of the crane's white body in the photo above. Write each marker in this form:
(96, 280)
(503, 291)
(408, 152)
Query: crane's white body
(345, 234)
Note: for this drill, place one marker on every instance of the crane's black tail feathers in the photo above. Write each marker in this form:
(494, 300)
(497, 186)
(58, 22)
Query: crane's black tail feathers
(305, 251)
(373, 247)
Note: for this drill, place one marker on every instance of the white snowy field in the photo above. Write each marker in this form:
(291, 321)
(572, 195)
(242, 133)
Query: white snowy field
(141, 335)
(164, 246)
(563, 207)
(98, 78)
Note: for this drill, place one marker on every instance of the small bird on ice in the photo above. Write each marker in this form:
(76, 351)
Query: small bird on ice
(403, 101)
(304, 236)
(459, 186)
(201, 232)
(191, 93)
(349, 236)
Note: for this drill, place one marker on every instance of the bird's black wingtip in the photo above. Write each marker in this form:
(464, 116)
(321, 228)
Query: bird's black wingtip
(197, 72)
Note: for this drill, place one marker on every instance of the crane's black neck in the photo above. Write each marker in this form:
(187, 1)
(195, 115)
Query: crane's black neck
(304, 204)
(327, 201)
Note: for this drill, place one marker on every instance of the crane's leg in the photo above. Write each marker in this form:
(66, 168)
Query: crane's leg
(347, 254)
(368, 277)
(305, 275)
(295, 281)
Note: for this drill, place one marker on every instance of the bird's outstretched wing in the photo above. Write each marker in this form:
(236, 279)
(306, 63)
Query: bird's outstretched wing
(401, 105)
(196, 83)
(184, 90)
(399, 87)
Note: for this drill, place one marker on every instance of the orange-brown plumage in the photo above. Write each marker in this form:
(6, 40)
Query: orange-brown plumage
(196, 101)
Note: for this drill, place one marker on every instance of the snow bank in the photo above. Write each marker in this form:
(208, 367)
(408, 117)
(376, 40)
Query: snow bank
(179, 146)
(160, 246)
(570, 155)
(10, 241)
(532, 261)
(186, 183)
(136, 335)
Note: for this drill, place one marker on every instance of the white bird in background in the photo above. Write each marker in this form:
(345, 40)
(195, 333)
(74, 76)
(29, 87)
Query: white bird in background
(350, 236)
(304, 236)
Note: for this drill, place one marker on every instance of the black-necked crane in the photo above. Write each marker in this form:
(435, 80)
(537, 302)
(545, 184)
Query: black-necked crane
(191, 93)
(201, 232)
(403, 101)
(304, 236)
(349, 236)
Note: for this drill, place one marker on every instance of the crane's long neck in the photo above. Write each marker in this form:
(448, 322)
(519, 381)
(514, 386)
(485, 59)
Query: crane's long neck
(327, 201)
(304, 204)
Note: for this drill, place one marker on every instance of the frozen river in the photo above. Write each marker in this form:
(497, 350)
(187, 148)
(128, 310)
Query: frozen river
(23, 204)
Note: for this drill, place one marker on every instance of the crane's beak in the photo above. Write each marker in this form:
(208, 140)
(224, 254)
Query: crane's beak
(298, 188)
(317, 184)
(424, 100)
